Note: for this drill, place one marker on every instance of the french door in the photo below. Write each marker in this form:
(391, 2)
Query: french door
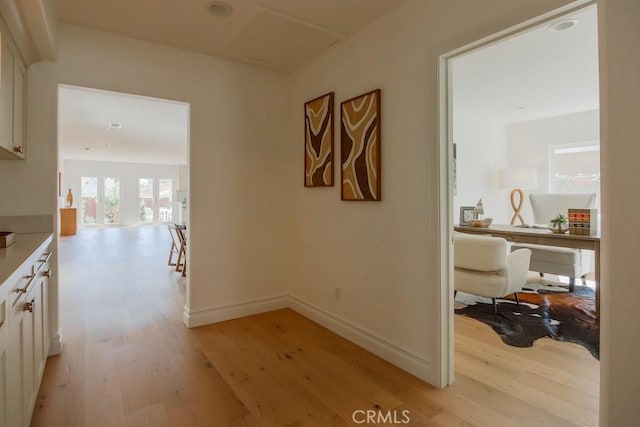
(99, 200)
(155, 199)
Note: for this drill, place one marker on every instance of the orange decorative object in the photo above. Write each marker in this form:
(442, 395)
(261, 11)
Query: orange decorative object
(68, 221)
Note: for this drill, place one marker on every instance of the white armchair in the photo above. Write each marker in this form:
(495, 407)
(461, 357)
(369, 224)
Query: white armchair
(551, 259)
(482, 267)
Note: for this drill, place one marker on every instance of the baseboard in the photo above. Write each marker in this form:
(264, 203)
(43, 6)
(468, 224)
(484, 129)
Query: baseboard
(55, 346)
(195, 318)
(403, 359)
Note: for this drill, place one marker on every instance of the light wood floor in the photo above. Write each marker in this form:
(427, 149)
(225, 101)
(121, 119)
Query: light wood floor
(129, 361)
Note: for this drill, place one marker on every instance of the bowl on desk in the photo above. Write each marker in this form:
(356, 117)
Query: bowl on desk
(480, 223)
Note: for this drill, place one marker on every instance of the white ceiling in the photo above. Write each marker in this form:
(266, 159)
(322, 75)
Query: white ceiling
(533, 75)
(153, 130)
(276, 33)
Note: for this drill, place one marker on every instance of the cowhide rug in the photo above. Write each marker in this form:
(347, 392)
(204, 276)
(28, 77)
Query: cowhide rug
(563, 316)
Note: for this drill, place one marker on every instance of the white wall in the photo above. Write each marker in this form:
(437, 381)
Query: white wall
(484, 147)
(481, 147)
(529, 142)
(128, 174)
(620, 151)
(385, 256)
(239, 121)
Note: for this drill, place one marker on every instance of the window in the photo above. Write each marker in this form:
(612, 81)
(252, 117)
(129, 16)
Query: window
(111, 200)
(145, 192)
(89, 200)
(575, 168)
(165, 200)
(99, 200)
(155, 199)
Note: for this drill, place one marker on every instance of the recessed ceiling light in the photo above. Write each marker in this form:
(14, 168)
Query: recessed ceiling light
(563, 25)
(220, 9)
(114, 126)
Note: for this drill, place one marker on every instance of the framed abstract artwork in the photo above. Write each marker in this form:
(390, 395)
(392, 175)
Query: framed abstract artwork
(360, 149)
(318, 142)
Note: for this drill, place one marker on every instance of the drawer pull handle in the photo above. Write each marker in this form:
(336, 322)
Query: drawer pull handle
(46, 257)
(21, 290)
(47, 273)
(28, 306)
(18, 149)
(28, 276)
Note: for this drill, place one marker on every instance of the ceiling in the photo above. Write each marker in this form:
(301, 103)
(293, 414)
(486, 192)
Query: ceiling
(281, 34)
(534, 75)
(152, 130)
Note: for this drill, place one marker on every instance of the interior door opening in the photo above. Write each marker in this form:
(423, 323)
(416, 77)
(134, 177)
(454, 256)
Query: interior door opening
(495, 130)
(123, 159)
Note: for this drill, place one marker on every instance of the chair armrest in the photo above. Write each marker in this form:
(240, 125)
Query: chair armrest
(517, 268)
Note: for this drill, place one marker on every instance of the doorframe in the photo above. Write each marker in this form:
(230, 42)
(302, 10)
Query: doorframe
(443, 366)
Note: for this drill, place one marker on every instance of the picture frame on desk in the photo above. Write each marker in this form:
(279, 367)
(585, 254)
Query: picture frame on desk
(466, 214)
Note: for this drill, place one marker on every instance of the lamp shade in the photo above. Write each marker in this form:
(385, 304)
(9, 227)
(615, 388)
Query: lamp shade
(524, 179)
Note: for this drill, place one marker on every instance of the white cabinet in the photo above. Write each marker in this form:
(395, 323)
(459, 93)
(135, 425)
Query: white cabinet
(19, 104)
(21, 350)
(24, 338)
(5, 390)
(13, 91)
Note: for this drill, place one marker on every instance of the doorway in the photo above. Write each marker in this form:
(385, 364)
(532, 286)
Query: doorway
(124, 157)
(450, 163)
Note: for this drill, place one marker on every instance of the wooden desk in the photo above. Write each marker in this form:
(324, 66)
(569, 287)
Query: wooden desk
(68, 221)
(544, 237)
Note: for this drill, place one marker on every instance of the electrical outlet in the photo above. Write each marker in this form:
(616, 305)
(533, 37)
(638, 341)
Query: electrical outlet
(337, 293)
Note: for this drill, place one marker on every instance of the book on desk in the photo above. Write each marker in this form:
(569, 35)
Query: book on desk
(583, 222)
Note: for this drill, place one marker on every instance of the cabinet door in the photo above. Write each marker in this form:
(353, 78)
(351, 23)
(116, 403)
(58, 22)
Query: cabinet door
(41, 336)
(4, 362)
(13, 92)
(46, 329)
(8, 65)
(4, 382)
(37, 334)
(19, 104)
(21, 362)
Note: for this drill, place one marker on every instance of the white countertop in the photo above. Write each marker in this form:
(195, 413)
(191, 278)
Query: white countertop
(12, 258)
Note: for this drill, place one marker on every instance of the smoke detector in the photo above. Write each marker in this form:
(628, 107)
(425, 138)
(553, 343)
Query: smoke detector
(563, 25)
